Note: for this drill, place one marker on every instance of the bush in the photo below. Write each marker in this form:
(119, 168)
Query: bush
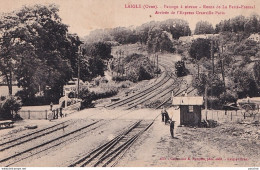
(228, 97)
(9, 107)
(88, 96)
(119, 78)
(243, 83)
(125, 84)
(144, 74)
(215, 85)
(138, 67)
(36, 100)
(246, 60)
(214, 103)
(180, 51)
(246, 48)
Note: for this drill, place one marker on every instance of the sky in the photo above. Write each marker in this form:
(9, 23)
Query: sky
(83, 16)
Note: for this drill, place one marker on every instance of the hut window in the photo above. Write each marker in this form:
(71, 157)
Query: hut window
(190, 109)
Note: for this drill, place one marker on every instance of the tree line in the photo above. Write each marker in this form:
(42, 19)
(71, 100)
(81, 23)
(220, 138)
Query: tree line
(38, 51)
(224, 74)
(158, 36)
(237, 24)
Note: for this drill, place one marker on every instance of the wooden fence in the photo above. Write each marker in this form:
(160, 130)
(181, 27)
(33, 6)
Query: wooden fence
(49, 114)
(229, 116)
(34, 114)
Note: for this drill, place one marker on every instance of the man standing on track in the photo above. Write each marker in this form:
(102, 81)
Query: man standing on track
(172, 128)
(166, 117)
(163, 114)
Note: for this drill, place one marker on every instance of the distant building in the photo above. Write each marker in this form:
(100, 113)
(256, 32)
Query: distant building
(190, 39)
(71, 88)
(254, 37)
(190, 109)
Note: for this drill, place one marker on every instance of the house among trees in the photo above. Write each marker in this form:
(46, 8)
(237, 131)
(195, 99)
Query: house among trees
(190, 39)
(254, 37)
(190, 109)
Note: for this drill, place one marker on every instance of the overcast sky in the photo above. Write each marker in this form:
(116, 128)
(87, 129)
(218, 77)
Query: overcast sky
(82, 16)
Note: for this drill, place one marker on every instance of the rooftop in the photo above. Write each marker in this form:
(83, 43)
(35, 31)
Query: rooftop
(185, 100)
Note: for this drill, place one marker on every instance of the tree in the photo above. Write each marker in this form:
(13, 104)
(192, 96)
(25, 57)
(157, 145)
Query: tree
(8, 107)
(9, 45)
(210, 86)
(39, 48)
(211, 83)
(142, 32)
(204, 27)
(246, 48)
(52, 49)
(240, 24)
(101, 49)
(94, 59)
(154, 37)
(243, 83)
(177, 27)
(256, 70)
(253, 24)
(199, 49)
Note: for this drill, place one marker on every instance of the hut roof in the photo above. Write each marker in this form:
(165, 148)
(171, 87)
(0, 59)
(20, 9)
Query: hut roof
(184, 100)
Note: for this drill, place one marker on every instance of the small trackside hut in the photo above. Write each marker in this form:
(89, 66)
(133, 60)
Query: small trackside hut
(190, 109)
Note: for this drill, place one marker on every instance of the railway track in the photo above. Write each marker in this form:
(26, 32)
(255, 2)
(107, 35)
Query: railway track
(164, 79)
(107, 154)
(10, 137)
(176, 94)
(157, 94)
(110, 153)
(162, 92)
(153, 91)
(31, 136)
(11, 159)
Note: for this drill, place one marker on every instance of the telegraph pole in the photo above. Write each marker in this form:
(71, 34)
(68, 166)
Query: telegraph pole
(157, 65)
(78, 70)
(222, 65)
(122, 63)
(212, 55)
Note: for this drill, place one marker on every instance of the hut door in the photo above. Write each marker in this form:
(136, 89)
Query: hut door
(186, 115)
(190, 115)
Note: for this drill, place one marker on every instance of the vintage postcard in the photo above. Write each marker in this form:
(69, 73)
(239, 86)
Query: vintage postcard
(129, 83)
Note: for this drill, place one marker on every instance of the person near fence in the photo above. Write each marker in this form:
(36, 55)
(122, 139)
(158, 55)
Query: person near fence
(61, 115)
(53, 114)
(57, 113)
(51, 106)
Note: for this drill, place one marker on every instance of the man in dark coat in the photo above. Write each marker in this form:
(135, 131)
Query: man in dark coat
(163, 114)
(172, 128)
(166, 117)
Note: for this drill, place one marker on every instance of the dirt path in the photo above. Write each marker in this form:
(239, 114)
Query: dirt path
(230, 144)
(194, 147)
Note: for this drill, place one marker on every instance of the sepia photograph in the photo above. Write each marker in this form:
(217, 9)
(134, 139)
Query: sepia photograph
(129, 83)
